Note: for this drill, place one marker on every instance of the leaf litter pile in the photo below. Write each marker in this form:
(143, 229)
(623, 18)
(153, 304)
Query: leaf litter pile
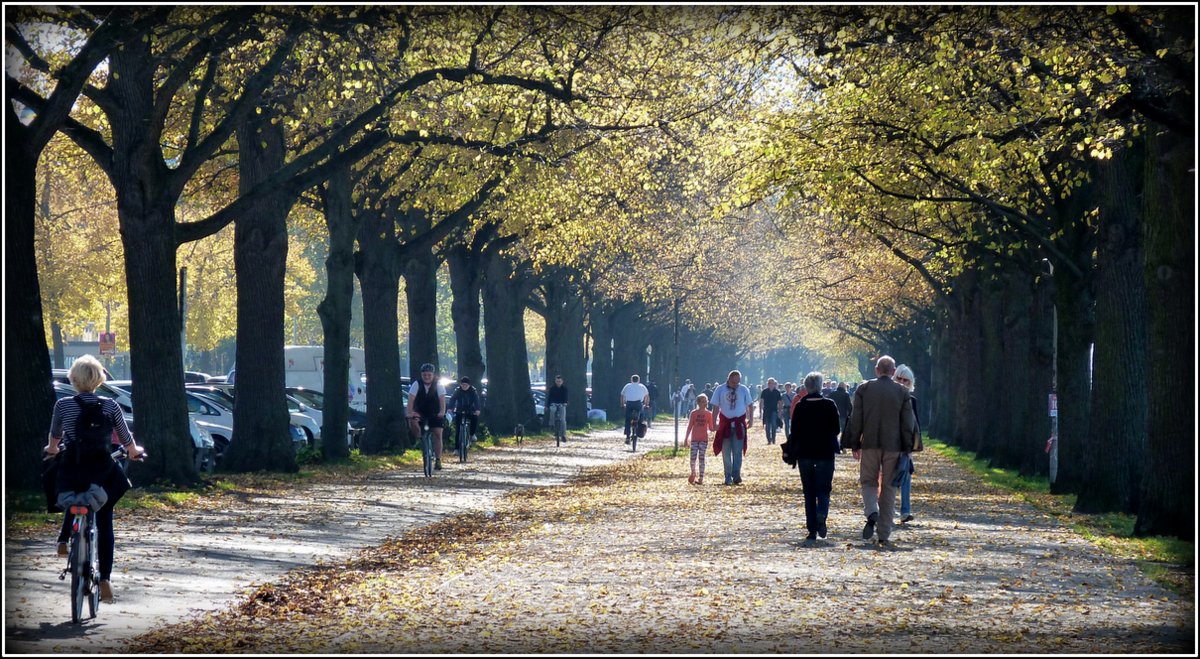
(631, 558)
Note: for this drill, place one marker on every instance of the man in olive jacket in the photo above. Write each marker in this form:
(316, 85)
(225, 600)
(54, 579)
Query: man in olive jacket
(880, 429)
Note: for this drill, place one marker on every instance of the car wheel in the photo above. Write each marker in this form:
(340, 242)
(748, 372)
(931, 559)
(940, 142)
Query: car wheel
(308, 437)
(220, 444)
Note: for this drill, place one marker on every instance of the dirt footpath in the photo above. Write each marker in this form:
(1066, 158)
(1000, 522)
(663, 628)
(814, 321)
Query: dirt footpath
(630, 558)
(176, 566)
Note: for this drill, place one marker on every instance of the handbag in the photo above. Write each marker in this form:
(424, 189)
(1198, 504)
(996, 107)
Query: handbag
(903, 467)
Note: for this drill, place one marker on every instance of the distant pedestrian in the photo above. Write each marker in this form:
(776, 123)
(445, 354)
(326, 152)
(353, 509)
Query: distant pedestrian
(880, 429)
(700, 423)
(904, 376)
(653, 391)
(841, 397)
(633, 397)
(736, 416)
(770, 399)
(708, 393)
(789, 395)
(811, 445)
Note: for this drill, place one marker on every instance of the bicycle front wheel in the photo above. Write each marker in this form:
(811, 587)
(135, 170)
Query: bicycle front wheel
(464, 441)
(93, 574)
(427, 453)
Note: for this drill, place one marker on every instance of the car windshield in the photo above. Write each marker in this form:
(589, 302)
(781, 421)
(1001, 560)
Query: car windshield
(314, 398)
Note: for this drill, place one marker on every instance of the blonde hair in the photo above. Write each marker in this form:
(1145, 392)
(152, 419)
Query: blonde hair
(701, 401)
(86, 374)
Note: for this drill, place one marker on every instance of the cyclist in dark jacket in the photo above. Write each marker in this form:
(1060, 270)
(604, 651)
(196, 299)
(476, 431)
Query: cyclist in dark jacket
(466, 405)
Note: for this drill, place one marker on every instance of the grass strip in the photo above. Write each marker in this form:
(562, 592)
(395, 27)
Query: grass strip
(1169, 561)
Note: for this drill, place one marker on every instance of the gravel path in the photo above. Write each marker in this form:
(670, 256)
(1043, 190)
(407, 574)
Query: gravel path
(172, 568)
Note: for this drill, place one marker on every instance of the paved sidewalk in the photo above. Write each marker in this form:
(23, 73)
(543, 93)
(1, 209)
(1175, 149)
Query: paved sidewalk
(196, 561)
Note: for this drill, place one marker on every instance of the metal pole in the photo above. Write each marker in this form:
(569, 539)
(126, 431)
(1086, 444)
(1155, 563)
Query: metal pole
(183, 316)
(1054, 386)
(675, 377)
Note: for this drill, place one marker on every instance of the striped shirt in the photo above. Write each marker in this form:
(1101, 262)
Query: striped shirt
(66, 411)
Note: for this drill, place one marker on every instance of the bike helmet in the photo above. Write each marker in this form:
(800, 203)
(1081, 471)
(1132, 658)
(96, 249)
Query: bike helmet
(428, 368)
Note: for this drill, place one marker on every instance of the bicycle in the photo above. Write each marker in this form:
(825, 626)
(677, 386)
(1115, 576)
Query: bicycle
(463, 440)
(83, 559)
(427, 454)
(558, 421)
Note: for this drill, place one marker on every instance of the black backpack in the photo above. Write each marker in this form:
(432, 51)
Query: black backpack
(93, 431)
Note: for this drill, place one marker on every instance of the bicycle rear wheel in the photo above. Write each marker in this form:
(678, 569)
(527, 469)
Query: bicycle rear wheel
(78, 584)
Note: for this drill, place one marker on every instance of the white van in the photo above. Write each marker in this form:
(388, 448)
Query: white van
(304, 366)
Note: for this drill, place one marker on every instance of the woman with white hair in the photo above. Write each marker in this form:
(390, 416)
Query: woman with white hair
(904, 377)
(811, 447)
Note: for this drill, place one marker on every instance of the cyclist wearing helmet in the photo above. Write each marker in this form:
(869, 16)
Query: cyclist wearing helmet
(427, 402)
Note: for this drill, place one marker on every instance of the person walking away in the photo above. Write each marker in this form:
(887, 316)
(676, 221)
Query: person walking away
(427, 402)
(880, 429)
(81, 429)
(633, 397)
(812, 444)
(789, 395)
(465, 404)
(652, 390)
(700, 423)
(841, 398)
(904, 376)
(769, 399)
(735, 410)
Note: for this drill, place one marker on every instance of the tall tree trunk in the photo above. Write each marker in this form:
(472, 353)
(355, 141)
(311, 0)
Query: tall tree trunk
(465, 284)
(967, 361)
(335, 312)
(1168, 487)
(56, 334)
(1073, 303)
(379, 276)
(1035, 359)
(604, 383)
(260, 428)
(629, 347)
(30, 398)
(991, 419)
(1114, 448)
(564, 343)
(420, 290)
(510, 401)
(1075, 308)
(146, 212)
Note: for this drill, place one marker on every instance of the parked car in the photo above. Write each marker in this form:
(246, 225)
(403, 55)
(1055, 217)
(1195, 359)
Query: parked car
(203, 445)
(195, 377)
(315, 402)
(223, 396)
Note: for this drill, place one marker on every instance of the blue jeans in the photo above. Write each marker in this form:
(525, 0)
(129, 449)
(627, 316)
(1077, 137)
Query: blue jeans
(905, 495)
(731, 454)
(632, 410)
(769, 424)
(816, 477)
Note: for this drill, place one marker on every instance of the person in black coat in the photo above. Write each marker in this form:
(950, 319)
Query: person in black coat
(811, 445)
(841, 397)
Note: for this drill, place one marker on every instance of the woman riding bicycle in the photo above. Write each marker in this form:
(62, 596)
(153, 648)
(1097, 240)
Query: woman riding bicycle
(465, 405)
(78, 474)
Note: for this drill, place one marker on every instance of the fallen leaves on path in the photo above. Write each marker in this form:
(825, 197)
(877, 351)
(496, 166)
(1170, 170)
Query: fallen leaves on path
(631, 558)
